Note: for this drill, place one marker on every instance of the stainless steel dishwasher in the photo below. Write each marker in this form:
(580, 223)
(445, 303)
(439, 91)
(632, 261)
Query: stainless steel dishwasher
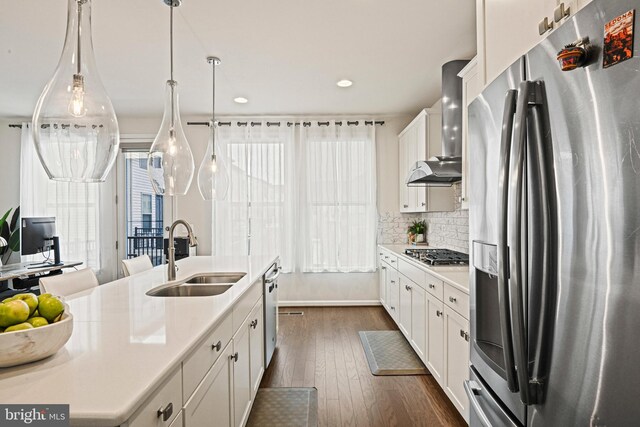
(270, 311)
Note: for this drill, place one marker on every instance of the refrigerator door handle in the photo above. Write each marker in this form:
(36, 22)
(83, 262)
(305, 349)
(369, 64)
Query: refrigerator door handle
(472, 388)
(503, 249)
(543, 230)
(517, 228)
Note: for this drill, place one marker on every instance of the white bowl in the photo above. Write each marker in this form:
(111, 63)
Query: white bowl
(29, 345)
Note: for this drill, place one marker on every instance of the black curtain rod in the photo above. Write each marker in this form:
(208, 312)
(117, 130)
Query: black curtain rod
(289, 124)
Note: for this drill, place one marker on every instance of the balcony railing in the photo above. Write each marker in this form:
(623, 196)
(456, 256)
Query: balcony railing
(146, 241)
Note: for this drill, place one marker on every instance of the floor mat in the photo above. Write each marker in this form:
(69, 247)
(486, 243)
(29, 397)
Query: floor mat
(285, 406)
(389, 353)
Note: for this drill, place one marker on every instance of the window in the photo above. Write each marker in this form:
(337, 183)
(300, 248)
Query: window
(338, 200)
(146, 210)
(142, 163)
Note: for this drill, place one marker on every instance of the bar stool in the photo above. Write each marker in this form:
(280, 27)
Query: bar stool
(136, 265)
(69, 283)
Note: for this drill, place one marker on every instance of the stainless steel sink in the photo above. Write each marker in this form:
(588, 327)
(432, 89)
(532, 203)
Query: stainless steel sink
(188, 290)
(217, 278)
(202, 285)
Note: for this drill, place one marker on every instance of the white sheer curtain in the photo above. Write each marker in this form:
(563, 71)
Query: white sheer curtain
(85, 220)
(337, 198)
(258, 215)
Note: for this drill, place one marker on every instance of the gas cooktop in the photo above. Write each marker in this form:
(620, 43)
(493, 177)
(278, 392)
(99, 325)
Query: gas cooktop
(438, 256)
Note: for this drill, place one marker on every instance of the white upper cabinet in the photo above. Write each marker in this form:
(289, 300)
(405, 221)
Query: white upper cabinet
(507, 29)
(471, 88)
(420, 140)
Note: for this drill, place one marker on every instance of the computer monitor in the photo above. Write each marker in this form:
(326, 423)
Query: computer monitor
(38, 234)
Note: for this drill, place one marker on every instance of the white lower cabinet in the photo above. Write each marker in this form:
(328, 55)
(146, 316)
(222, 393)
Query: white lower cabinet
(457, 349)
(382, 279)
(435, 338)
(241, 376)
(393, 295)
(163, 406)
(404, 317)
(256, 348)
(212, 398)
(419, 321)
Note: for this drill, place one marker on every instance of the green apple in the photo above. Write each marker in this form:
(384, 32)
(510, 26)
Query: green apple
(30, 299)
(43, 296)
(13, 312)
(36, 322)
(19, 327)
(35, 313)
(50, 308)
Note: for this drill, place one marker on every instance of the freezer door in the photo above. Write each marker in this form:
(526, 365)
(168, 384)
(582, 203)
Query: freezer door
(592, 376)
(491, 119)
(484, 409)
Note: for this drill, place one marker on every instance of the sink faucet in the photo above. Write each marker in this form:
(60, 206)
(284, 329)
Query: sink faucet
(172, 250)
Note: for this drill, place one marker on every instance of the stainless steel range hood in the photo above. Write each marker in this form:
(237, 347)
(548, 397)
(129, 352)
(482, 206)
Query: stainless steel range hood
(444, 170)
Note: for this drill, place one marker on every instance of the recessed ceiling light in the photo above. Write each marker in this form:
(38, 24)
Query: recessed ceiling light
(344, 83)
(241, 100)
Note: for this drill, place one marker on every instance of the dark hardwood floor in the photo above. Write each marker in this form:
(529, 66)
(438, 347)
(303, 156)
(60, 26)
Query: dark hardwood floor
(322, 349)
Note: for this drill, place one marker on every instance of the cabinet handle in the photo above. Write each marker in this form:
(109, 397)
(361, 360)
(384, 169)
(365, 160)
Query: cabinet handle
(559, 13)
(234, 357)
(217, 346)
(438, 313)
(406, 206)
(424, 204)
(393, 281)
(254, 323)
(432, 286)
(393, 260)
(464, 335)
(166, 412)
(393, 308)
(408, 287)
(381, 254)
(452, 299)
(545, 25)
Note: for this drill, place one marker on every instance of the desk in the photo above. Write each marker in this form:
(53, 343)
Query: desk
(22, 271)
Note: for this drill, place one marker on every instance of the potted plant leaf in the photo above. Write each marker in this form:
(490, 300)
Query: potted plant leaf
(9, 233)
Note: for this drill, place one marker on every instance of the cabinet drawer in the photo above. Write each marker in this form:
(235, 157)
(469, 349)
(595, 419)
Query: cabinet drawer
(167, 398)
(457, 300)
(390, 258)
(245, 305)
(196, 366)
(434, 286)
(412, 272)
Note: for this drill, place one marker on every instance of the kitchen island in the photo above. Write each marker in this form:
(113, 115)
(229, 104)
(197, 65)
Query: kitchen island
(126, 346)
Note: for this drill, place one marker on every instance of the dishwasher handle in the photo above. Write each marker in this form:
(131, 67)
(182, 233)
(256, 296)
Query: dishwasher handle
(274, 276)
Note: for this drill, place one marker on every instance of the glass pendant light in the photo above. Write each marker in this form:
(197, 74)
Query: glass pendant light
(213, 179)
(170, 163)
(74, 126)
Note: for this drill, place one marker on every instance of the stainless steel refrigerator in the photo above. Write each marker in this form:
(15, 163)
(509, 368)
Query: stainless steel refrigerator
(555, 231)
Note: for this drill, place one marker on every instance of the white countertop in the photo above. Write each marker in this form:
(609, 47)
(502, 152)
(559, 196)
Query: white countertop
(125, 343)
(457, 276)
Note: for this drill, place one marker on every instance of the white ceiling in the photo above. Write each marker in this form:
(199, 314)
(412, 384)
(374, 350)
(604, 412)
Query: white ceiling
(285, 56)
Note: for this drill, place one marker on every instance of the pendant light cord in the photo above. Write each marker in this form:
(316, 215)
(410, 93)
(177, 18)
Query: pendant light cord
(79, 64)
(173, 83)
(213, 111)
(171, 39)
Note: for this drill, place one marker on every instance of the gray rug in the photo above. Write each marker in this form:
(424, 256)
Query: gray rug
(285, 406)
(389, 353)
